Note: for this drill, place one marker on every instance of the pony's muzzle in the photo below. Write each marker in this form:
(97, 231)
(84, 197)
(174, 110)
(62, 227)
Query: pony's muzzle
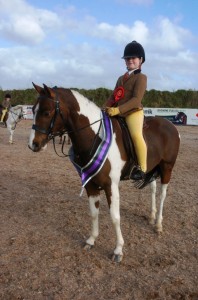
(36, 147)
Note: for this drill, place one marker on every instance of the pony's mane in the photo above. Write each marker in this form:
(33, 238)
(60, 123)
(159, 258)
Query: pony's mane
(87, 107)
(17, 107)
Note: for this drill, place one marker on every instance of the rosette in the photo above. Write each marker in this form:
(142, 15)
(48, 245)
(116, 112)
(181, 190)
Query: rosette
(118, 93)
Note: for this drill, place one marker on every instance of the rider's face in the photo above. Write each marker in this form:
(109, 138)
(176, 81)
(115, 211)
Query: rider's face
(132, 63)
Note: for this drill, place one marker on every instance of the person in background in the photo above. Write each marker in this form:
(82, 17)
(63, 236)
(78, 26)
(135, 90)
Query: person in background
(6, 105)
(126, 101)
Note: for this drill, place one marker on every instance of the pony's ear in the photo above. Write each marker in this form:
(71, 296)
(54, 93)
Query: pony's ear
(38, 88)
(49, 91)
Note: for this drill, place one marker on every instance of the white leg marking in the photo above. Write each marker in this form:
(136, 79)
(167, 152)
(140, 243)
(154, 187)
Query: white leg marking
(94, 216)
(115, 216)
(11, 135)
(153, 202)
(116, 166)
(162, 198)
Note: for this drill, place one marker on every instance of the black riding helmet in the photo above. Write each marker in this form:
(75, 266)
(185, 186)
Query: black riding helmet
(7, 96)
(134, 49)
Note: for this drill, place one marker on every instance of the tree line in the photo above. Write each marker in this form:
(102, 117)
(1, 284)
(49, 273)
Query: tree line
(152, 98)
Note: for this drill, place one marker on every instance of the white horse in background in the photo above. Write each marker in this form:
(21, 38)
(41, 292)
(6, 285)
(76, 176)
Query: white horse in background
(15, 114)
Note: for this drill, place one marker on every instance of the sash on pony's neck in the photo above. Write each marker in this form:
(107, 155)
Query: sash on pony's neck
(98, 159)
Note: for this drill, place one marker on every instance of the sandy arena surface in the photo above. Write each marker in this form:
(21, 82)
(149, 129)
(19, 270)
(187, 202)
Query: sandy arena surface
(44, 223)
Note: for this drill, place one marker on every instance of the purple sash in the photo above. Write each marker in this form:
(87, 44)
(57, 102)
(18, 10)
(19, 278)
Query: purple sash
(97, 161)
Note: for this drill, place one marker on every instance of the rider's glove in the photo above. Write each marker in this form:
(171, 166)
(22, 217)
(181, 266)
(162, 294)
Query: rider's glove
(112, 111)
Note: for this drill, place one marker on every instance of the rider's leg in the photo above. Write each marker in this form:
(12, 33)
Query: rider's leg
(3, 114)
(135, 124)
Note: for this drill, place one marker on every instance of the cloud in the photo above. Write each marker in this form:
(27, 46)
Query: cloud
(169, 36)
(72, 49)
(25, 24)
(121, 33)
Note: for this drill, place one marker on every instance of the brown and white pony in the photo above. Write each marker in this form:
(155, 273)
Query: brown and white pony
(63, 110)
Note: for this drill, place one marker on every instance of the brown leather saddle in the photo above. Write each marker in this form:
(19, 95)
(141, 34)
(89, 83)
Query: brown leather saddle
(129, 147)
(132, 158)
(130, 150)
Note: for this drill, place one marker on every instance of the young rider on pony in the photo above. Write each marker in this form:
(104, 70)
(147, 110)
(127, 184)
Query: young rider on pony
(126, 100)
(6, 105)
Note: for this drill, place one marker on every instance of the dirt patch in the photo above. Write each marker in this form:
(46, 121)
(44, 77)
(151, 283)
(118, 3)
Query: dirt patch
(44, 223)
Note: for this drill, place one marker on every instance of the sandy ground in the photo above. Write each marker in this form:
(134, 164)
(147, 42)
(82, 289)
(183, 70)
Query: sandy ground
(44, 223)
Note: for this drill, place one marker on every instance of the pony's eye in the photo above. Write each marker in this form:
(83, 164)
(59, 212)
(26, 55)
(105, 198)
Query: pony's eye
(46, 113)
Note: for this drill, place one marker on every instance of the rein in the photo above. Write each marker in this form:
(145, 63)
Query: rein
(63, 143)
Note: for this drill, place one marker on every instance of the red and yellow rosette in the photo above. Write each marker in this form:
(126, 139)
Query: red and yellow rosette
(118, 93)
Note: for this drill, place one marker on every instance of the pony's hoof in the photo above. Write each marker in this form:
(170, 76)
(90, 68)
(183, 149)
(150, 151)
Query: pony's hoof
(152, 221)
(158, 230)
(88, 247)
(117, 258)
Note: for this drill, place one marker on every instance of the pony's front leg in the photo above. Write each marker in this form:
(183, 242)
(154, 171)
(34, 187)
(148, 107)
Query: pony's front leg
(115, 216)
(11, 136)
(153, 202)
(160, 216)
(94, 210)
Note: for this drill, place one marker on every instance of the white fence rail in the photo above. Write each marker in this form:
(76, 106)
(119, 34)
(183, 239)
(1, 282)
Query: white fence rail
(179, 116)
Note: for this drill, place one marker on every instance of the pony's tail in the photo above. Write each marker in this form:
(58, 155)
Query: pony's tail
(149, 177)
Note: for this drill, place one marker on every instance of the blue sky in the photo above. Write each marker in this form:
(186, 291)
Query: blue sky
(79, 43)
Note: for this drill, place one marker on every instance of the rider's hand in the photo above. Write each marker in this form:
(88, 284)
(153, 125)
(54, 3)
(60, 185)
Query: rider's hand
(112, 111)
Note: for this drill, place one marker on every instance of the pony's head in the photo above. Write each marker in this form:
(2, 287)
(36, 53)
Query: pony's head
(51, 114)
(58, 111)
(44, 117)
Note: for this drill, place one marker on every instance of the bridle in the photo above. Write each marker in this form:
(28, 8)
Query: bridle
(48, 132)
(51, 135)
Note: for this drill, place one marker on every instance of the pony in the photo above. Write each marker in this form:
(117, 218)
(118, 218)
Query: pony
(60, 110)
(12, 117)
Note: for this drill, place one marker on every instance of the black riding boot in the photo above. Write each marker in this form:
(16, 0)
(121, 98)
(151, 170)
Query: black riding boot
(137, 174)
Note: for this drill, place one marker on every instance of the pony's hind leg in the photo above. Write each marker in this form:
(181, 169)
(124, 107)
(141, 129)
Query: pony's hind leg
(153, 186)
(160, 216)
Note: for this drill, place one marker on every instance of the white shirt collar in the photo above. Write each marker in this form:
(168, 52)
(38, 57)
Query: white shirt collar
(130, 72)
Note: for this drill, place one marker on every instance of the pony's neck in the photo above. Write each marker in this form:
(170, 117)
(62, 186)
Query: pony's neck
(87, 108)
(85, 124)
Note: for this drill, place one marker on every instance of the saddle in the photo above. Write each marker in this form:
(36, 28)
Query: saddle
(130, 150)
(129, 147)
(132, 158)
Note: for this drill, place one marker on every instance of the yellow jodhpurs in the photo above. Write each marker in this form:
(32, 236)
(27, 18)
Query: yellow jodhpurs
(135, 125)
(3, 114)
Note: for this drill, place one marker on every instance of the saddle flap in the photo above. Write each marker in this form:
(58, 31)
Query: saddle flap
(128, 143)
(130, 150)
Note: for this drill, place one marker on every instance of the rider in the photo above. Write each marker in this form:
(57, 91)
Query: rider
(126, 100)
(6, 105)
